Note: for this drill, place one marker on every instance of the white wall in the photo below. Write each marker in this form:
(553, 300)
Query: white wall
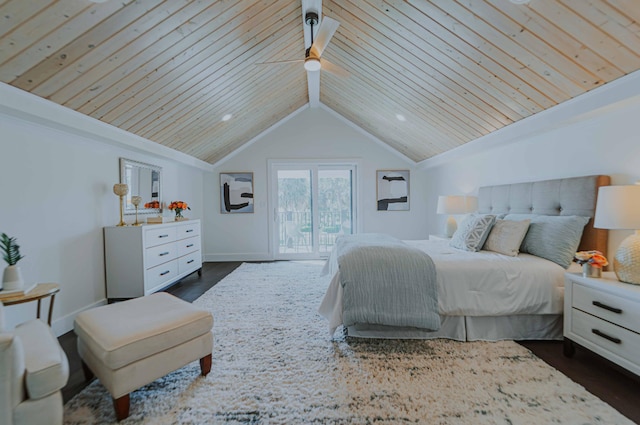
(56, 196)
(57, 169)
(596, 133)
(313, 133)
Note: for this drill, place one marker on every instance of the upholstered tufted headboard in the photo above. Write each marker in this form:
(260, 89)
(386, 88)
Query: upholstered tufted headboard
(570, 196)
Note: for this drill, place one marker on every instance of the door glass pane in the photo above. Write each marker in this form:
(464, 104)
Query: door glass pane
(334, 207)
(294, 212)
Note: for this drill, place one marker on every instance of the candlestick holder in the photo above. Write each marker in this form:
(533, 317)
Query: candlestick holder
(121, 189)
(135, 200)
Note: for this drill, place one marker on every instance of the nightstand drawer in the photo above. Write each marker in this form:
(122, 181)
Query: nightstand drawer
(621, 311)
(615, 339)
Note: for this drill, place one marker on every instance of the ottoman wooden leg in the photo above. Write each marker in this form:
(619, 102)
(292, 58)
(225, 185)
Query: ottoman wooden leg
(205, 365)
(88, 374)
(121, 405)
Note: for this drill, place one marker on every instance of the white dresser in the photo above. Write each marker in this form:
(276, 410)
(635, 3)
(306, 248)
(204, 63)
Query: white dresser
(603, 315)
(140, 260)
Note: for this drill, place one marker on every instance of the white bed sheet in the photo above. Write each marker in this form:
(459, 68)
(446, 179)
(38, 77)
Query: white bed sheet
(475, 284)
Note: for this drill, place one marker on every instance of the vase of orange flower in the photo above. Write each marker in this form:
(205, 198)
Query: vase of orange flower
(592, 262)
(178, 207)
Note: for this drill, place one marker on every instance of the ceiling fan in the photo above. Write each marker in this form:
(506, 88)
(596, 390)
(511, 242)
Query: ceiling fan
(313, 61)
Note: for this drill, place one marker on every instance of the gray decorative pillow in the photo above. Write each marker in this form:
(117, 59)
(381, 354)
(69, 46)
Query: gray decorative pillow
(506, 236)
(472, 232)
(555, 238)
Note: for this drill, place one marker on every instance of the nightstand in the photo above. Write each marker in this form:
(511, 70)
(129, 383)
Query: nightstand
(439, 238)
(603, 315)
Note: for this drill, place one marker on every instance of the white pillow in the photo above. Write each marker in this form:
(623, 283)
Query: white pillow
(506, 236)
(472, 232)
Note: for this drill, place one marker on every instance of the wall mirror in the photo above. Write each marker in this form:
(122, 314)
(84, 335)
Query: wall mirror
(144, 180)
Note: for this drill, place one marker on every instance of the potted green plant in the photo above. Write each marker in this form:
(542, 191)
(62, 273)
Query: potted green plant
(12, 277)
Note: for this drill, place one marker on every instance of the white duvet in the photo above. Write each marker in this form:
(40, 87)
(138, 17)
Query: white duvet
(475, 283)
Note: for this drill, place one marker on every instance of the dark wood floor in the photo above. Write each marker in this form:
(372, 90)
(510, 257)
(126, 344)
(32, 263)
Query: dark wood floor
(614, 385)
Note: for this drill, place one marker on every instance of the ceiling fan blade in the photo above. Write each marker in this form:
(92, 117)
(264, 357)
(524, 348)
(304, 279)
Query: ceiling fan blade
(327, 28)
(313, 84)
(280, 62)
(334, 69)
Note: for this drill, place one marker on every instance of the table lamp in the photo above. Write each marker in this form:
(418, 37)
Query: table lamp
(455, 204)
(618, 207)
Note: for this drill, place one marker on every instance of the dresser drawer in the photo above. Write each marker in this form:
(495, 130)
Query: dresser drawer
(613, 308)
(156, 277)
(188, 245)
(160, 254)
(190, 262)
(159, 236)
(188, 230)
(600, 332)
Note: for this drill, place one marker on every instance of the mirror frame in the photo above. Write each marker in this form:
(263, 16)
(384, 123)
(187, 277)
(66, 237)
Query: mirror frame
(129, 208)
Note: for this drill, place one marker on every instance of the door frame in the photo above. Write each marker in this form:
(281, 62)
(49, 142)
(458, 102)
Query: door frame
(272, 165)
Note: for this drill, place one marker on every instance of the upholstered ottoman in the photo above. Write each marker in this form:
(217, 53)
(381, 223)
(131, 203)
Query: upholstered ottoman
(132, 343)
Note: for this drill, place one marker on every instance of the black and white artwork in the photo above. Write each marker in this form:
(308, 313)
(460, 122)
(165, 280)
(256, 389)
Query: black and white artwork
(236, 193)
(392, 190)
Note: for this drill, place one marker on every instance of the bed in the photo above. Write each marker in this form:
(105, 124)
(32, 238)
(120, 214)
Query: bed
(488, 295)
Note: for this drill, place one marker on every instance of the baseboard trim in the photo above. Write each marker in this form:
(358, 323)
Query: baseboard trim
(254, 256)
(64, 324)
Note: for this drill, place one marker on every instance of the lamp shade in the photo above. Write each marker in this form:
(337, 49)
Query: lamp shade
(618, 207)
(456, 204)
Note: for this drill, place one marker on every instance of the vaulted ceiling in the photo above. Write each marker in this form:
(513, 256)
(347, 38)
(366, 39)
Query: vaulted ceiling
(169, 71)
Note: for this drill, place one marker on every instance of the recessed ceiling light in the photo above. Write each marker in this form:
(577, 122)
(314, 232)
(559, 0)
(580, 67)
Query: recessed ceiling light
(227, 117)
(401, 117)
(519, 1)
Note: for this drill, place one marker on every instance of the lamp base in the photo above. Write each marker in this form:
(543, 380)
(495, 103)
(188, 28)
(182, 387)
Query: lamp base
(626, 262)
(450, 227)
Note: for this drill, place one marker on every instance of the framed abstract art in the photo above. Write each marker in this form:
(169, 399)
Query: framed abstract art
(392, 190)
(236, 193)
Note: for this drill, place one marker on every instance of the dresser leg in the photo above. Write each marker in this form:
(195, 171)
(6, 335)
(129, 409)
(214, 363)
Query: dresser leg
(568, 349)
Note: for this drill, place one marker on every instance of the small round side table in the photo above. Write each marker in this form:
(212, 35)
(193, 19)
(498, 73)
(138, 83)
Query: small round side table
(41, 290)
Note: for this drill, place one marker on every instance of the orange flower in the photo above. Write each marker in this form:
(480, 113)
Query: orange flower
(593, 257)
(598, 261)
(178, 205)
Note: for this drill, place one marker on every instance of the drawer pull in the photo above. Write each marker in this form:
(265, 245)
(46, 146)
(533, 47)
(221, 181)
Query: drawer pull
(162, 254)
(605, 336)
(606, 307)
(189, 231)
(190, 261)
(163, 236)
(163, 273)
(189, 246)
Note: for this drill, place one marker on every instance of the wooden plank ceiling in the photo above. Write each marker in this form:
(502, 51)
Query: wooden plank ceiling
(455, 70)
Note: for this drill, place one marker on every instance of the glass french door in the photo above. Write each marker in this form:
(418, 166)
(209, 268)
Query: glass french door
(312, 205)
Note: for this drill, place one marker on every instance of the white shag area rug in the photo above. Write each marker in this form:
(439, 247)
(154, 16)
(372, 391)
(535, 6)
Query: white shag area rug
(274, 363)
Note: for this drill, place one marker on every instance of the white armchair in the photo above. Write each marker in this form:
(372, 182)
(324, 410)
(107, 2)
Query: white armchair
(33, 370)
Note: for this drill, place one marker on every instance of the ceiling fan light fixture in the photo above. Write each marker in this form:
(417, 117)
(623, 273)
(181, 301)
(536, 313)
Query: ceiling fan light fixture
(312, 64)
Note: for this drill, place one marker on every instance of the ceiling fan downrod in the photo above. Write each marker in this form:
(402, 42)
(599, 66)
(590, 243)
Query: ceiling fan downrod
(311, 19)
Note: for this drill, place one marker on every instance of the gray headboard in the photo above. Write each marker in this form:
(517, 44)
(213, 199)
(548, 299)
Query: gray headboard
(569, 196)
